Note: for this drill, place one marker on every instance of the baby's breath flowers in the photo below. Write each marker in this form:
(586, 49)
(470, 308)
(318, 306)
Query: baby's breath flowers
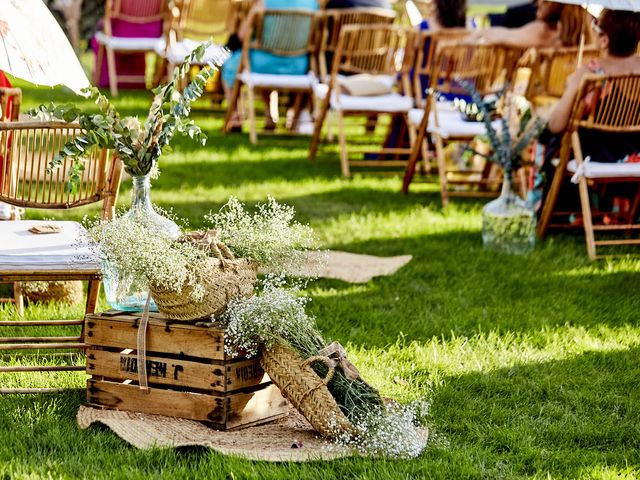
(137, 250)
(391, 430)
(271, 236)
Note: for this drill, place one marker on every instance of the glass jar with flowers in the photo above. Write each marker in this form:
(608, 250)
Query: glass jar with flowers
(508, 222)
(139, 146)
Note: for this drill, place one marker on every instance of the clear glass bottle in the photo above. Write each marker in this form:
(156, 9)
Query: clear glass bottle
(124, 291)
(508, 222)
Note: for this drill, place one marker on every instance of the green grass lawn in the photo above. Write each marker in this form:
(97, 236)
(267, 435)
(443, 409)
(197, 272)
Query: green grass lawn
(530, 363)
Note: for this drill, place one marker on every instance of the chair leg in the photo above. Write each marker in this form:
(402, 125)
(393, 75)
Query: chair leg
(92, 295)
(587, 219)
(232, 106)
(317, 129)
(111, 68)
(253, 135)
(329, 126)
(97, 69)
(18, 298)
(344, 155)
(442, 170)
(554, 190)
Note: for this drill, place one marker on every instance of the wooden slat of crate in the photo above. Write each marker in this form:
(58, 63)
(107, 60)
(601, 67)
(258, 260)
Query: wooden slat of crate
(163, 335)
(225, 412)
(220, 376)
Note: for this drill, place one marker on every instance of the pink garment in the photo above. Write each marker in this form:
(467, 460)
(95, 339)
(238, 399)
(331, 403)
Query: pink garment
(127, 63)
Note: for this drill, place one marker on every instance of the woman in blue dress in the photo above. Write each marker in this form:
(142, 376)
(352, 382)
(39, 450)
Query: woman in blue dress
(264, 62)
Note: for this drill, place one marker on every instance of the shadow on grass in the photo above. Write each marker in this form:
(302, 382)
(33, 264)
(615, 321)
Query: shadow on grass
(560, 417)
(454, 287)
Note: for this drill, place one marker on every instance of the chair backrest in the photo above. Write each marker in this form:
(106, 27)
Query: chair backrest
(333, 20)
(488, 67)
(372, 49)
(135, 11)
(553, 66)
(202, 19)
(288, 33)
(10, 101)
(607, 103)
(27, 148)
(424, 45)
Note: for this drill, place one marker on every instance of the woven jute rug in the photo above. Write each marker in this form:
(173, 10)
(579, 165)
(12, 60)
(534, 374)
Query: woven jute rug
(270, 442)
(351, 267)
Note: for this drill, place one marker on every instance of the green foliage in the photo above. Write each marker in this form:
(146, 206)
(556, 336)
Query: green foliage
(518, 127)
(531, 363)
(138, 146)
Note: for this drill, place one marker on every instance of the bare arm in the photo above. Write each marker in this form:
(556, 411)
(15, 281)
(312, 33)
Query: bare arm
(533, 34)
(559, 117)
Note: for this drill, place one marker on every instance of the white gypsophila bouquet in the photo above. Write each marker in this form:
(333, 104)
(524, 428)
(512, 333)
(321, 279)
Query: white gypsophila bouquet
(271, 237)
(392, 430)
(140, 252)
(274, 314)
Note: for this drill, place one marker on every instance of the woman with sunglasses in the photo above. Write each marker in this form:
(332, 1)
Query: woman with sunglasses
(618, 35)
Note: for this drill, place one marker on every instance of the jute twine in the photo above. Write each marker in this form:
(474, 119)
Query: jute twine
(306, 391)
(223, 277)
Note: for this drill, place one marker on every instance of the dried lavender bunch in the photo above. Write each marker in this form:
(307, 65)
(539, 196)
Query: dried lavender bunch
(518, 127)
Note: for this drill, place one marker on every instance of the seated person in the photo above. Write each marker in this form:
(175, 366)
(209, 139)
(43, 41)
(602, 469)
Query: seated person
(555, 25)
(264, 62)
(618, 34)
(446, 14)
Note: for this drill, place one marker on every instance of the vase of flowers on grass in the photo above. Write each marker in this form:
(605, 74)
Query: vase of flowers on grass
(139, 146)
(508, 222)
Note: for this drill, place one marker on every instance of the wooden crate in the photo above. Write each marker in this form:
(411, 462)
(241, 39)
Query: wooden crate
(189, 374)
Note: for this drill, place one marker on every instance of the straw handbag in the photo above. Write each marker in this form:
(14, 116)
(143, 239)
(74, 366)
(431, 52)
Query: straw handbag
(306, 391)
(223, 277)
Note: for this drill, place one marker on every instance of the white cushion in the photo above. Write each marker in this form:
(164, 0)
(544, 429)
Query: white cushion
(450, 122)
(129, 44)
(390, 103)
(605, 170)
(277, 81)
(22, 250)
(177, 51)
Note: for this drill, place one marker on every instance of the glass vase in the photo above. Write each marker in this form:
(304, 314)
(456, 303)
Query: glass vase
(508, 222)
(122, 290)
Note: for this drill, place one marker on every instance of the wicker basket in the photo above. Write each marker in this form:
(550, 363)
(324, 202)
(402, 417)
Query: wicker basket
(223, 281)
(305, 390)
(58, 291)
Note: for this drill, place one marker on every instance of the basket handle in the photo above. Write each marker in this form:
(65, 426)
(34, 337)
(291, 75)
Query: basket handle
(331, 364)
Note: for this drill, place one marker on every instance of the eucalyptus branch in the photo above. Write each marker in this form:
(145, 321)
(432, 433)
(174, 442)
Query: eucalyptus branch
(138, 146)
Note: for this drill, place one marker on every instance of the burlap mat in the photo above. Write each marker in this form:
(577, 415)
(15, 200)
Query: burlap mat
(270, 442)
(352, 267)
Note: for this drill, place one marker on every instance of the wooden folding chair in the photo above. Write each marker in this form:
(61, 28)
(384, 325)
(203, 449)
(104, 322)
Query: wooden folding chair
(425, 45)
(334, 19)
(288, 33)
(616, 109)
(550, 69)
(26, 149)
(193, 22)
(137, 12)
(489, 68)
(10, 101)
(375, 50)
